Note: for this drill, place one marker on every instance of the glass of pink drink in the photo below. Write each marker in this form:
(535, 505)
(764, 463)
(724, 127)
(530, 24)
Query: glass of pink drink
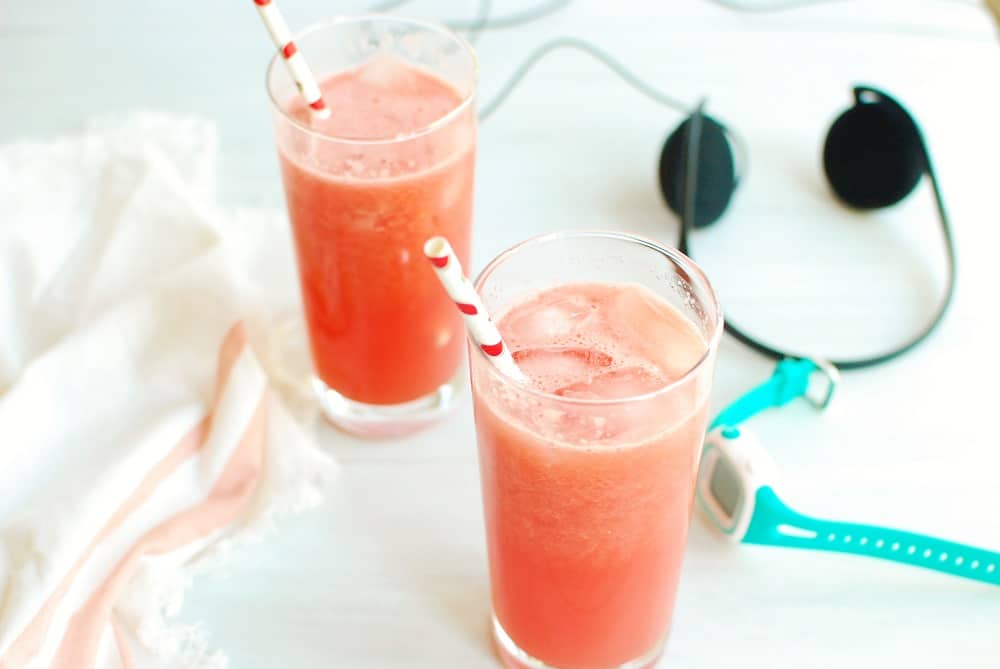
(588, 472)
(391, 166)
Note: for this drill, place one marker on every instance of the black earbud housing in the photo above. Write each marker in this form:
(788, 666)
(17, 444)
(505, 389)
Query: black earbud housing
(716, 171)
(873, 155)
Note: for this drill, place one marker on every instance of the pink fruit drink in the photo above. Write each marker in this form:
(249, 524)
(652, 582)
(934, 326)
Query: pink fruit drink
(381, 329)
(587, 503)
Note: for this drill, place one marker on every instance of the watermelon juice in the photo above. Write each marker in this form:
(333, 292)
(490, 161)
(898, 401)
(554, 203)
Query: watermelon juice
(588, 473)
(391, 166)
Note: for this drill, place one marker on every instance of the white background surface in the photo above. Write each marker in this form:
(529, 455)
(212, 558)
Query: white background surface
(391, 571)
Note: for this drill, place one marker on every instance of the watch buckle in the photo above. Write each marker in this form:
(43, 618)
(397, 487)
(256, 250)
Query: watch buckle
(821, 394)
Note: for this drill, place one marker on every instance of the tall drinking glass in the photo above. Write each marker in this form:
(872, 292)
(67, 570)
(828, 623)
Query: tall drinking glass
(588, 473)
(392, 166)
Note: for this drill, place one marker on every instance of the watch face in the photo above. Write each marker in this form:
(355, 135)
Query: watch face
(726, 486)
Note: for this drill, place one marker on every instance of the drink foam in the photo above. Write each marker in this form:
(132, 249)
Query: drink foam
(601, 341)
(598, 341)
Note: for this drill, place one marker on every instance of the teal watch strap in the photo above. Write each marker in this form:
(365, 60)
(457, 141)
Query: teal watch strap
(775, 524)
(790, 381)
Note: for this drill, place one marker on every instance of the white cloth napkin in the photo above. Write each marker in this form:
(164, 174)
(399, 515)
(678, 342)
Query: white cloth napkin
(139, 437)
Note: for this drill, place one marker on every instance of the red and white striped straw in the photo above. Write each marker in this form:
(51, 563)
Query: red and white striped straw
(295, 61)
(481, 329)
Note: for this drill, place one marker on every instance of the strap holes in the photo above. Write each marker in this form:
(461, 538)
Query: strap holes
(847, 539)
(943, 557)
(831, 537)
(959, 560)
(927, 553)
(911, 550)
(895, 545)
(864, 540)
(990, 569)
(975, 564)
(879, 543)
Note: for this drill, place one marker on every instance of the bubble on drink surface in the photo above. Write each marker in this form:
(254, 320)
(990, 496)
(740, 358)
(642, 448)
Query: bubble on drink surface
(553, 367)
(355, 165)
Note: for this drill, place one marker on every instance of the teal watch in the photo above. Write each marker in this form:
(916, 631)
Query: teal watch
(736, 480)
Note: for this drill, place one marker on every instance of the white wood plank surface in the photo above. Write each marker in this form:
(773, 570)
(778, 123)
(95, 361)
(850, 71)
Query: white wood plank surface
(390, 572)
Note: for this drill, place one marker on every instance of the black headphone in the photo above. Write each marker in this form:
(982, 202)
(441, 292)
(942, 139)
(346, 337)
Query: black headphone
(874, 156)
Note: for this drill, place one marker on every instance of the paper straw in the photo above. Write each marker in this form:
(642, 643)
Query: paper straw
(481, 329)
(296, 62)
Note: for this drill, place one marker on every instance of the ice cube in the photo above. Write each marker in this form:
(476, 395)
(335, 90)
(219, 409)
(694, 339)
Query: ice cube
(552, 367)
(616, 384)
(661, 333)
(546, 323)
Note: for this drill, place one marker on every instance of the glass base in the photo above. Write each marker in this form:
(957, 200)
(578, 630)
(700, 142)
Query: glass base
(376, 421)
(515, 658)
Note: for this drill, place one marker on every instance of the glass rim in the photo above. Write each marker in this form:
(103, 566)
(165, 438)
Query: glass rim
(431, 127)
(673, 255)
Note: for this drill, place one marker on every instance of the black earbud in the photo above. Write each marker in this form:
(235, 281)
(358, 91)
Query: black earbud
(716, 174)
(874, 154)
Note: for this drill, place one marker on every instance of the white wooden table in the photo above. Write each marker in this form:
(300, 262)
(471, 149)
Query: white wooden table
(390, 572)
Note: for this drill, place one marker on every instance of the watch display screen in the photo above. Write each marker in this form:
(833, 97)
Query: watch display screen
(726, 486)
